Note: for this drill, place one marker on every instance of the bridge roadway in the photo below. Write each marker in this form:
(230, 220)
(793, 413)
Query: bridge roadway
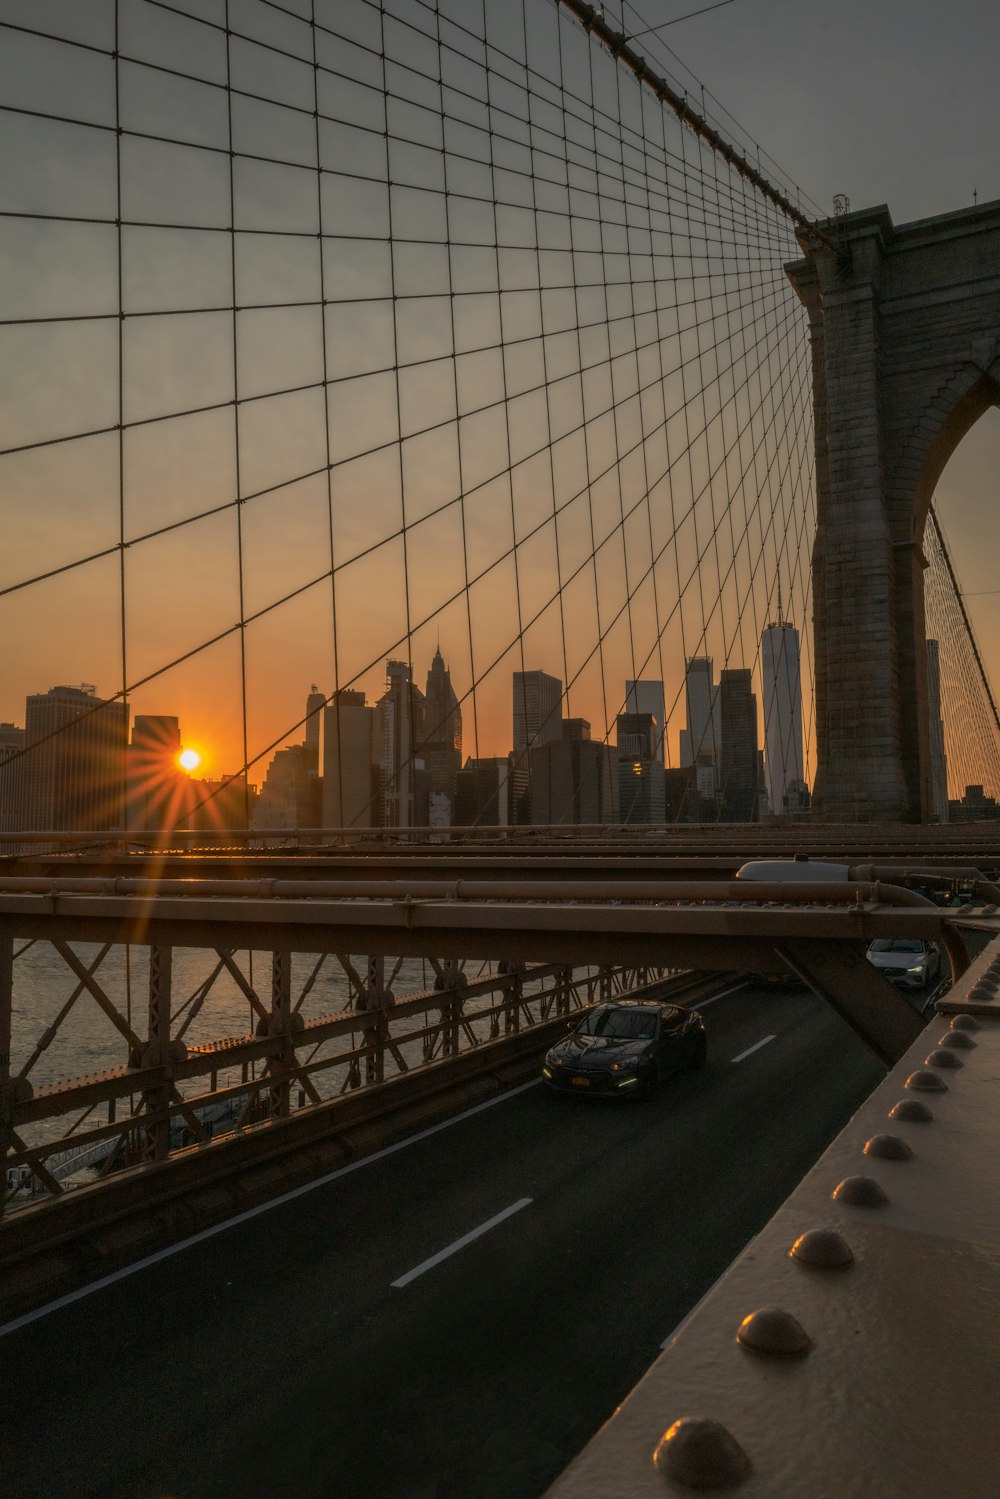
(277, 1357)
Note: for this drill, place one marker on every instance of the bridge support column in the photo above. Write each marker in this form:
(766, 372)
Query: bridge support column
(377, 999)
(859, 771)
(281, 1063)
(156, 1136)
(905, 327)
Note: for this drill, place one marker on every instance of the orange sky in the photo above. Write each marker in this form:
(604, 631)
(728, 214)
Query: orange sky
(635, 428)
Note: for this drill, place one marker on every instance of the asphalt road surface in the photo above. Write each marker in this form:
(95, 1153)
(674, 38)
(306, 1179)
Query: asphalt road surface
(451, 1320)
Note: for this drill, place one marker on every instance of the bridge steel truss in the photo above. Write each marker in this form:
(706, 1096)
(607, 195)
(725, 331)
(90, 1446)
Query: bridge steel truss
(172, 1096)
(555, 946)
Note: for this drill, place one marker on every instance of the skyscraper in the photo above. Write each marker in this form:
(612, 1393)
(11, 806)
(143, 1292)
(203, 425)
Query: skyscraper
(574, 779)
(399, 729)
(350, 777)
(647, 697)
(483, 796)
(537, 720)
(441, 747)
(11, 743)
(537, 711)
(158, 790)
(938, 761)
(641, 788)
(779, 654)
(738, 757)
(701, 697)
(73, 771)
(315, 703)
(289, 796)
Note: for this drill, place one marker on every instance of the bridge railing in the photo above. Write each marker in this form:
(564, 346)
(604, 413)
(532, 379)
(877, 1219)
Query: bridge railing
(199, 1052)
(172, 1093)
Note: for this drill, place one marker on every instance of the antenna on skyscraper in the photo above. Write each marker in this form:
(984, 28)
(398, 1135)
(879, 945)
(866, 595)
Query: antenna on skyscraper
(780, 620)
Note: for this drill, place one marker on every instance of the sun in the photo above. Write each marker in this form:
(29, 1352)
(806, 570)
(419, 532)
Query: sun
(189, 759)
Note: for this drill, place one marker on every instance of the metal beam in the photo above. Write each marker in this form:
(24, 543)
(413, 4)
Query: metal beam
(705, 935)
(841, 974)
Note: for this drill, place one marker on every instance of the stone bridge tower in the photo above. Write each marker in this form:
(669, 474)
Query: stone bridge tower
(905, 325)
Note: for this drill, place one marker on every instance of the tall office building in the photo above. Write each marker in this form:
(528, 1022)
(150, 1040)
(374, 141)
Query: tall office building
(574, 779)
(537, 711)
(647, 697)
(350, 763)
(738, 752)
(484, 793)
(228, 804)
(641, 788)
(701, 698)
(290, 795)
(159, 792)
(11, 743)
(938, 761)
(399, 729)
(73, 772)
(315, 703)
(779, 654)
(441, 747)
(537, 720)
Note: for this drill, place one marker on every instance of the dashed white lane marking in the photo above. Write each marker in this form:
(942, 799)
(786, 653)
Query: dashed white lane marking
(751, 1049)
(264, 1207)
(703, 1004)
(476, 1233)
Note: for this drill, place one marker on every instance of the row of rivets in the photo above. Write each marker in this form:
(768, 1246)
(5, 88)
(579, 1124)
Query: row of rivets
(698, 1453)
(957, 1040)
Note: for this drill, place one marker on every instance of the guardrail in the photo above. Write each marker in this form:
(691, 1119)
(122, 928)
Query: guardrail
(171, 1093)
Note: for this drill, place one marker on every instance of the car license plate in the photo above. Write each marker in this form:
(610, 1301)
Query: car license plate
(580, 1082)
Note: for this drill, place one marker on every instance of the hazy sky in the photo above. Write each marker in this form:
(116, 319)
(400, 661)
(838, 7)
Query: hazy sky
(888, 102)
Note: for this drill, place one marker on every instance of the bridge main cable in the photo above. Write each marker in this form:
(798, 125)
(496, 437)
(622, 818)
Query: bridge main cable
(591, 18)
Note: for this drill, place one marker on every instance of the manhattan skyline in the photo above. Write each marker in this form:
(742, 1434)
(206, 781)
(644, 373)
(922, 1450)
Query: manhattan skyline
(256, 447)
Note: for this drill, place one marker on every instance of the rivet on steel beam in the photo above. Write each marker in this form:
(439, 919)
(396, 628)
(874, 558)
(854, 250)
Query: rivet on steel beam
(957, 1041)
(964, 1023)
(946, 1059)
(697, 1453)
(912, 1110)
(926, 1082)
(860, 1192)
(888, 1148)
(824, 1248)
(775, 1332)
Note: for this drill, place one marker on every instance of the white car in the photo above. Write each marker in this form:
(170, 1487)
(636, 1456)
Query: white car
(906, 961)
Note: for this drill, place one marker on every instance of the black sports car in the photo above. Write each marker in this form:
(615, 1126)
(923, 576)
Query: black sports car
(625, 1049)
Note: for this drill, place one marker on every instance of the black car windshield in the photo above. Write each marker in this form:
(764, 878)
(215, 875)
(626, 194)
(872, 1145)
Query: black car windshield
(897, 944)
(619, 1025)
